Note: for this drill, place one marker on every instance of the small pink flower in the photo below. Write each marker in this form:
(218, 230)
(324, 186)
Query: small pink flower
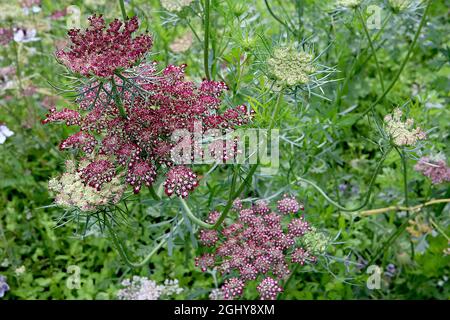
(80, 140)
(205, 261)
(208, 237)
(180, 180)
(140, 173)
(289, 205)
(233, 288)
(97, 173)
(435, 169)
(302, 256)
(268, 289)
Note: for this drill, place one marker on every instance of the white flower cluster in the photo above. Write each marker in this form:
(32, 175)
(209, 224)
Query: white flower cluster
(72, 192)
(216, 294)
(4, 133)
(142, 288)
(348, 3)
(402, 132)
(175, 5)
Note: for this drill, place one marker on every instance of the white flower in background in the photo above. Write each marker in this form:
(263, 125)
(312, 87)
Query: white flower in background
(216, 294)
(142, 288)
(33, 9)
(171, 287)
(401, 131)
(25, 35)
(20, 270)
(4, 133)
(182, 44)
(175, 5)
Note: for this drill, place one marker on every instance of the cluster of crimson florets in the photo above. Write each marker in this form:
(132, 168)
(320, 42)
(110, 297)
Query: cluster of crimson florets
(130, 114)
(259, 243)
(101, 51)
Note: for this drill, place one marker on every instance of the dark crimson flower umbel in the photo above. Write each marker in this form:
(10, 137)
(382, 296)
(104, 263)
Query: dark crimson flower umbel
(127, 120)
(259, 245)
(101, 51)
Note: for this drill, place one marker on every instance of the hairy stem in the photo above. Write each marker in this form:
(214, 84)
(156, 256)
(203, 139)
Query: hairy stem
(278, 19)
(392, 238)
(276, 110)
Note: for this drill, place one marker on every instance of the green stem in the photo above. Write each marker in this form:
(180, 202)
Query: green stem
(276, 110)
(122, 9)
(369, 192)
(117, 99)
(122, 251)
(392, 238)
(278, 19)
(356, 66)
(228, 206)
(372, 48)
(206, 40)
(153, 193)
(288, 280)
(405, 188)
(408, 55)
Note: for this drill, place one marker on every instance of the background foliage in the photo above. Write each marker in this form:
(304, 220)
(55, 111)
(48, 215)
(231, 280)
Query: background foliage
(320, 138)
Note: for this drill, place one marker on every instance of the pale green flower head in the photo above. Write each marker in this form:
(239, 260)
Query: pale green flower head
(290, 66)
(399, 5)
(402, 131)
(348, 3)
(71, 192)
(316, 242)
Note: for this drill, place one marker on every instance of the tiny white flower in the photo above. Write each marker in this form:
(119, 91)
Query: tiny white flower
(25, 35)
(4, 133)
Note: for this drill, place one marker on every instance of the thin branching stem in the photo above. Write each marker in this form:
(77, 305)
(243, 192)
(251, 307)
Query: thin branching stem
(228, 206)
(269, 9)
(206, 39)
(153, 193)
(122, 9)
(403, 208)
(369, 192)
(117, 99)
(402, 66)
(122, 249)
(372, 48)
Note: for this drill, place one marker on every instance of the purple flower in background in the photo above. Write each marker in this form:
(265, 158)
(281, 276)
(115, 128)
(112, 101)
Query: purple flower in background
(3, 286)
(390, 270)
(434, 168)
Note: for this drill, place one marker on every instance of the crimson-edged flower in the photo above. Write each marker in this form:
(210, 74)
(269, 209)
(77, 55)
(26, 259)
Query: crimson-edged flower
(259, 243)
(232, 288)
(289, 205)
(131, 115)
(268, 289)
(100, 51)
